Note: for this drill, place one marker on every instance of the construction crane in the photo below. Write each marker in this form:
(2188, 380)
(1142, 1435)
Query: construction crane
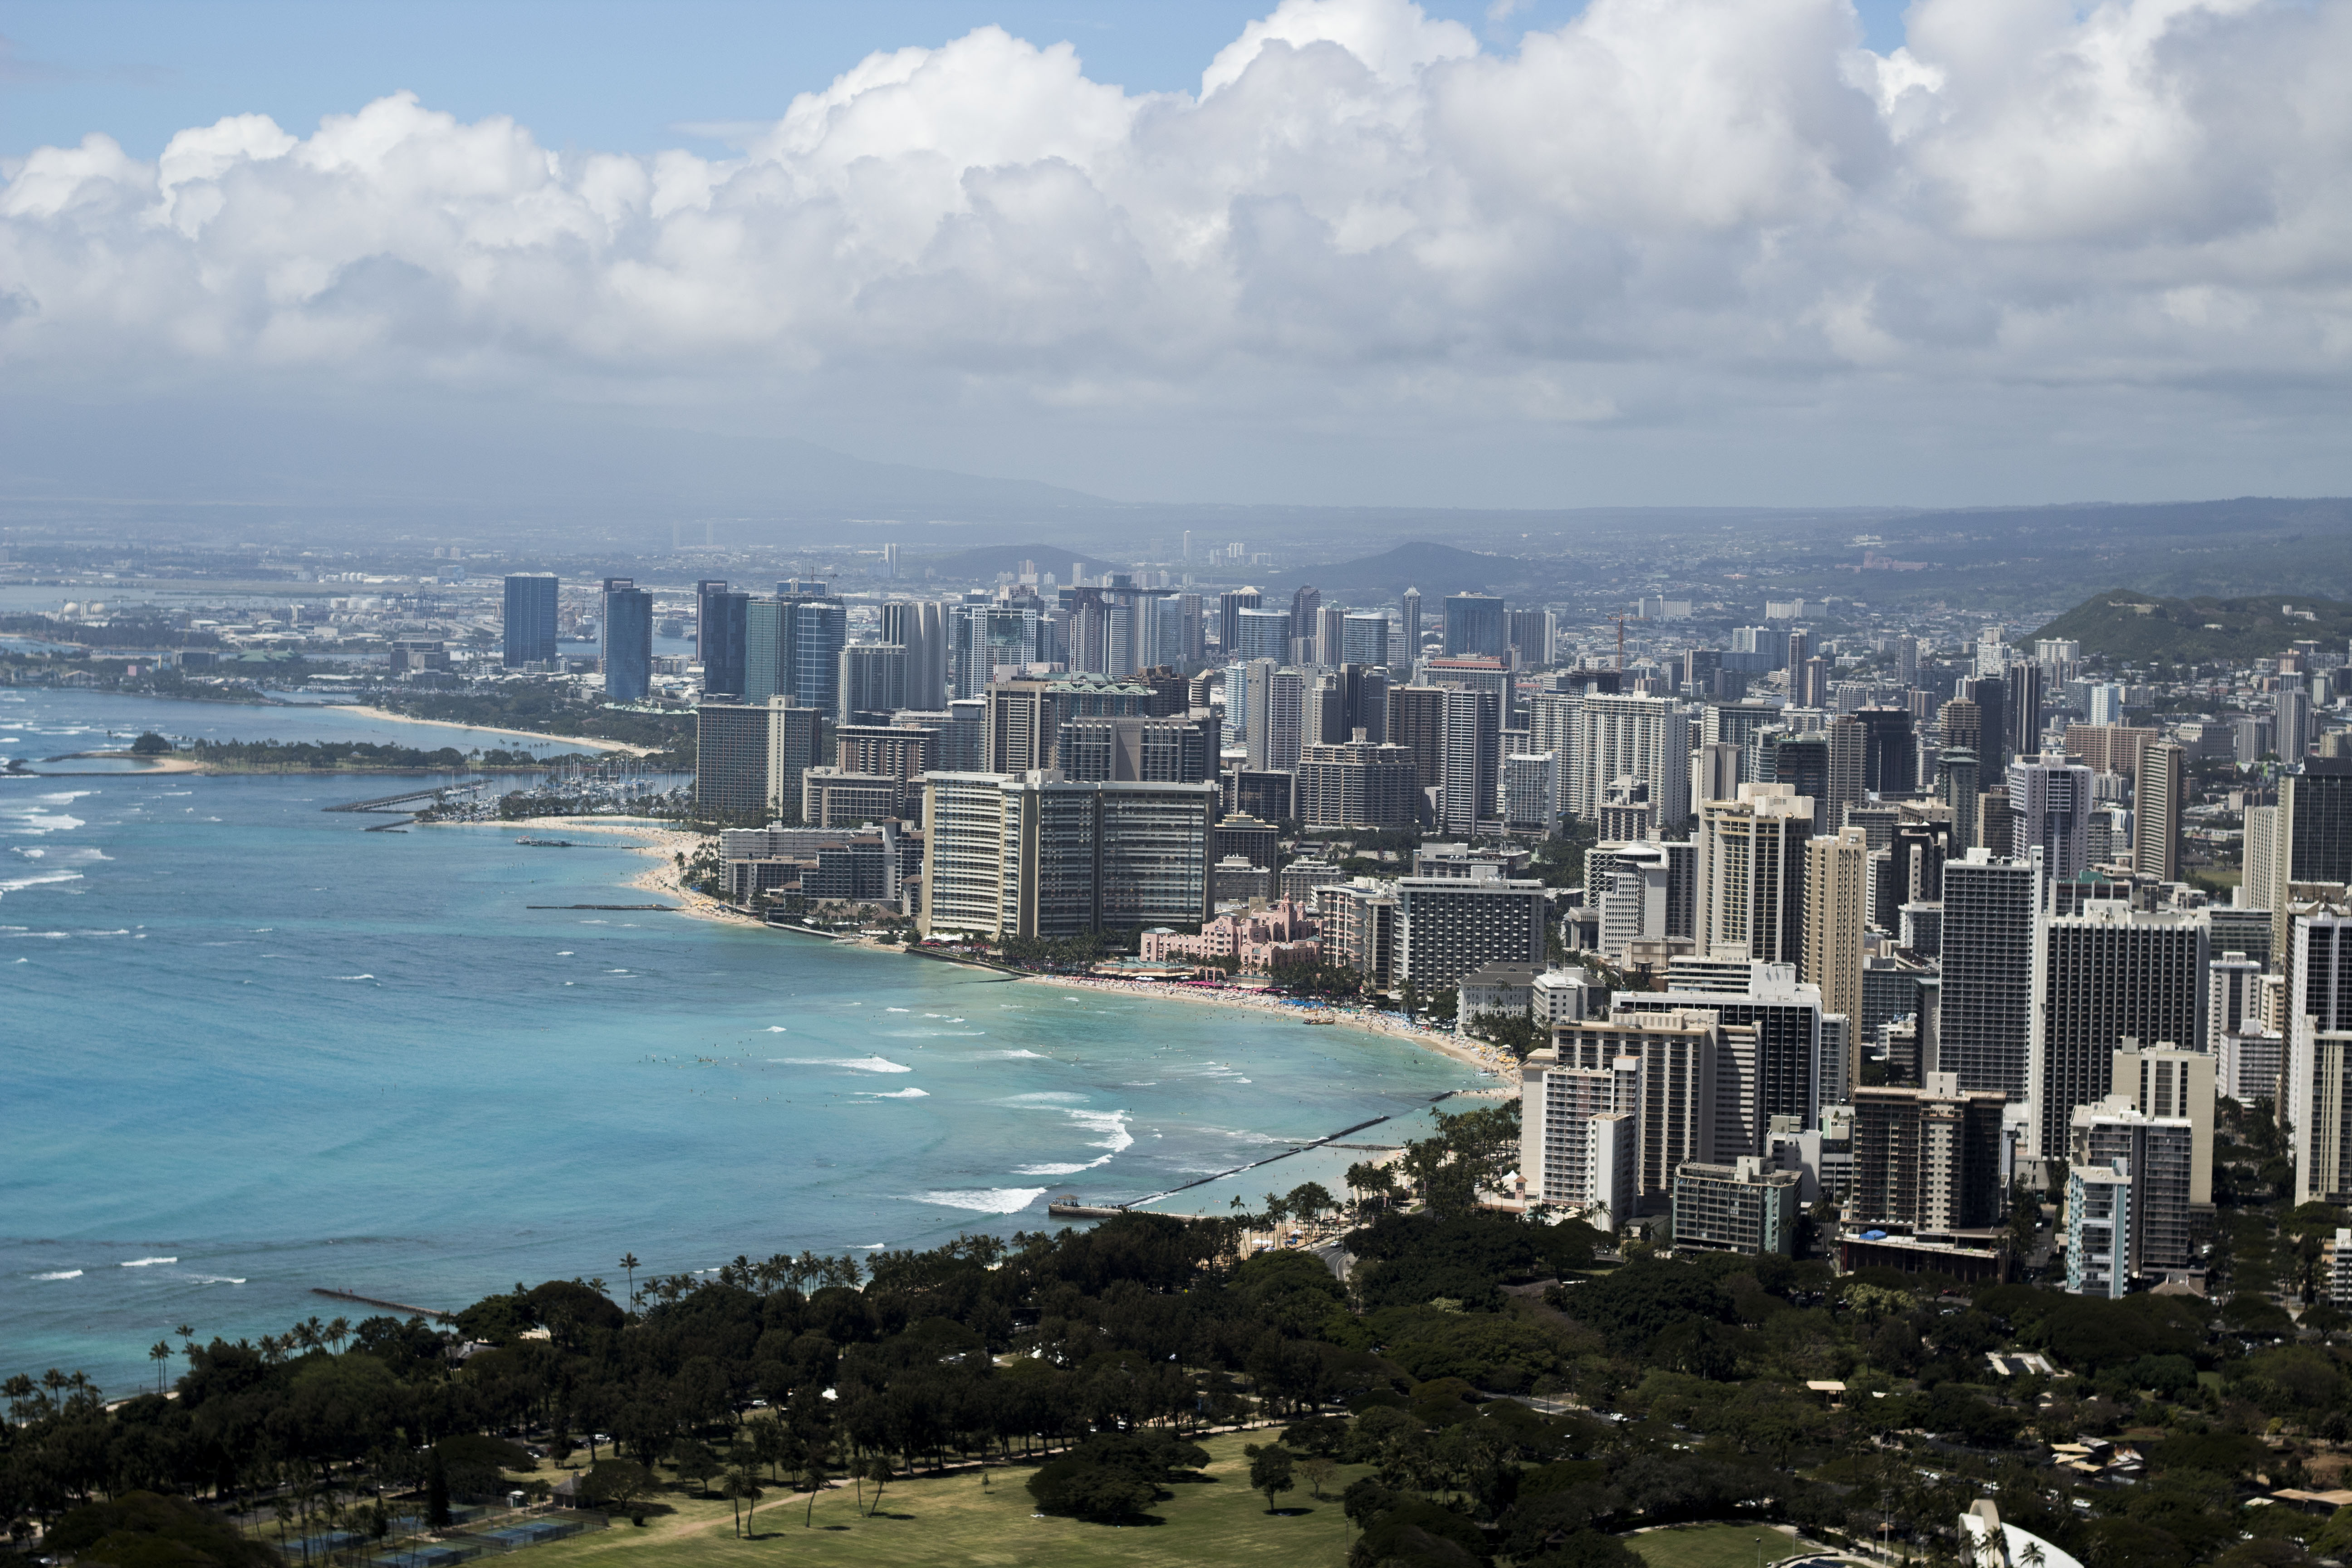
(1621, 643)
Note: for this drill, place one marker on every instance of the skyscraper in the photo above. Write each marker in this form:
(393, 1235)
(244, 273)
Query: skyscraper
(2021, 706)
(986, 637)
(2158, 1154)
(1278, 716)
(1532, 632)
(1471, 753)
(2318, 1093)
(1417, 722)
(1986, 1033)
(1473, 626)
(1890, 751)
(1358, 783)
(1410, 604)
(1331, 634)
(916, 627)
(2050, 804)
(1680, 1054)
(1962, 722)
(1956, 786)
(1837, 909)
(1991, 695)
(1260, 634)
(719, 629)
(872, 681)
(2290, 709)
(820, 630)
(1230, 604)
(2315, 835)
(1040, 857)
(1305, 602)
(1929, 1158)
(2173, 1080)
(2109, 974)
(530, 621)
(1751, 874)
(1363, 638)
(2158, 798)
(1580, 1135)
(628, 630)
(1646, 739)
(1531, 793)
(1773, 1044)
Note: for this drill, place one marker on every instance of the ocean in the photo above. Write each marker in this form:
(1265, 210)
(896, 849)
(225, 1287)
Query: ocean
(250, 1049)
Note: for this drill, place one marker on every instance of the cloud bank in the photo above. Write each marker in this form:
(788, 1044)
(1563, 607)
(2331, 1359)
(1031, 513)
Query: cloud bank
(1665, 221)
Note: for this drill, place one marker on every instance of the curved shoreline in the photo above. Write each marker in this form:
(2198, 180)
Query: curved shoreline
(661, 842)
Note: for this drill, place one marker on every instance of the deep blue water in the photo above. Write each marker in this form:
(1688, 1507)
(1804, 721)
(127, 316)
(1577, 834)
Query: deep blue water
(248, 1049)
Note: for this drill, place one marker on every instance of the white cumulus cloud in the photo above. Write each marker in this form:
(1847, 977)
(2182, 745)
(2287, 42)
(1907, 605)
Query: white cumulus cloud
(1664, 211)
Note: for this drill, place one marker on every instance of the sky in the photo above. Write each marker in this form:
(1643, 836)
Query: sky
(1350, 252)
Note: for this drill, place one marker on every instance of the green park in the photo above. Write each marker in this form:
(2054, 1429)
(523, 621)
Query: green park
(1478, 1389)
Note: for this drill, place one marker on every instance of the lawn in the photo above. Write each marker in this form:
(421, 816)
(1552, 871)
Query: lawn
(954, 1520)
(1711, 1545)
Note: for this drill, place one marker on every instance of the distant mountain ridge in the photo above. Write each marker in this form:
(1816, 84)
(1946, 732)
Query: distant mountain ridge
(2124, 624)
(1436, 570)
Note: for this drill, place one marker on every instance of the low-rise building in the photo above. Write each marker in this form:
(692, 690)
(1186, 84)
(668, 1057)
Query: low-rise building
(1508, 989)
(1740, 1207)
(1258, 941)
(2098, 1230)
(2336, 1268)
(1561, 996)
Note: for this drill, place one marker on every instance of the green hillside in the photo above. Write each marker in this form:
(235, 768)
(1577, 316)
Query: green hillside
(2124, 624)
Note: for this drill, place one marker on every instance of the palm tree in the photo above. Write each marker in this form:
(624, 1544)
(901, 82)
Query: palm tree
(159, 1353)
(743, 1486)
(337, 1332)
(629, 1262)
(814, 1478)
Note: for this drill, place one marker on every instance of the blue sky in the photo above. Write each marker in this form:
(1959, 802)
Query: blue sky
(1556, 253)
(624, 78)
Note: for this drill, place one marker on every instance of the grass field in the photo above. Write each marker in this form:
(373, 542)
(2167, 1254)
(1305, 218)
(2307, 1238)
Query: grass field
(1710, 1546)
(954, 1520)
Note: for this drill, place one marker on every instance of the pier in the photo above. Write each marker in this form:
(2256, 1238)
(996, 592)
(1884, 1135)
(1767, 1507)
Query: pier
(397, 802)
(388, 1305)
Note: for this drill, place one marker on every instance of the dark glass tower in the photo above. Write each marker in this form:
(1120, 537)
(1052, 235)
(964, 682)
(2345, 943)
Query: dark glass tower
(530, 619)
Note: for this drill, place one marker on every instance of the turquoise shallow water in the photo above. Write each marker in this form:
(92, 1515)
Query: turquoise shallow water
(248, 1048)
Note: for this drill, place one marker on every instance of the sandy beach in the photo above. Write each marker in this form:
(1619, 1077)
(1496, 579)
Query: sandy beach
(584, 741)
(1488, 1058)
(662, 843)
(658, 841)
